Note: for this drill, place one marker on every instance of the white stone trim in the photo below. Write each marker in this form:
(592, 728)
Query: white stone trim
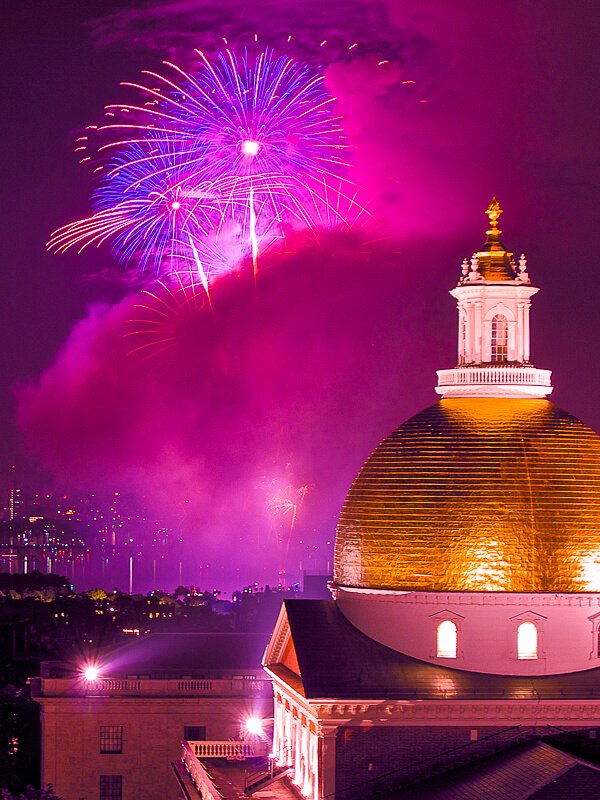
(591, 599)
(494, 380)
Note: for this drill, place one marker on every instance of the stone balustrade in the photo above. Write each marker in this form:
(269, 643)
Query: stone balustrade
(134, 687)
(497, 374)
(502, 378)
(200, 777)
(230, 749)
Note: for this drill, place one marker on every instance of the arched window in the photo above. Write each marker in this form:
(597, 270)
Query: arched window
(447, 637)
(527, 641)
(499, 339)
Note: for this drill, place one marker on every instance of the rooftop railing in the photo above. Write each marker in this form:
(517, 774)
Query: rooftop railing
(497, 374)
(200, 777)
(139, 687)
(229, 749)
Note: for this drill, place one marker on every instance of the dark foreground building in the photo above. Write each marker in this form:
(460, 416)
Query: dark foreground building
(115, 737)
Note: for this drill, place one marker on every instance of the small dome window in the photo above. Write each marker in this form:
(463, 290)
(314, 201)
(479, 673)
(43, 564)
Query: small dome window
(447, 639)
(527, 641)
(499, 339)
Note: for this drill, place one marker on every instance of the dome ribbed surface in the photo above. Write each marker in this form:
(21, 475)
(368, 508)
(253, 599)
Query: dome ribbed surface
(476, 494)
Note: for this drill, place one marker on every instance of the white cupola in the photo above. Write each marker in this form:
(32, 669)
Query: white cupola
(494, 297)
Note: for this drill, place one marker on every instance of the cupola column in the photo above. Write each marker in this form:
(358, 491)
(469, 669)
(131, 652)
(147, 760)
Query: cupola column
(478, 331)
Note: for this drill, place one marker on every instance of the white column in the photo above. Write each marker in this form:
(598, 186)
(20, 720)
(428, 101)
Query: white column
(519, 349)
(513, 335)
(478, 330)
(461, 338)
(277, 731)
(486, 341)
(470, 332)
(297, 751)
(526, 332)
(289, 738)
(305, 785)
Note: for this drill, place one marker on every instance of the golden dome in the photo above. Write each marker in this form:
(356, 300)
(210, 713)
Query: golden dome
(477, 494)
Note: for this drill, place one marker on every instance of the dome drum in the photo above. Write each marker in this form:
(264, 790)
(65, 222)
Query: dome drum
(487, 626)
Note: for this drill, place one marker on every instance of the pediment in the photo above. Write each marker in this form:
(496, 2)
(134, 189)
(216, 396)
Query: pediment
(281, 650)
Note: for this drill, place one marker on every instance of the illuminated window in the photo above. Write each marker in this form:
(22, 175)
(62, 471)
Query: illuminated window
(111, 738)
(446, 639)
(499, 339)
(111, 787)
(527, 641)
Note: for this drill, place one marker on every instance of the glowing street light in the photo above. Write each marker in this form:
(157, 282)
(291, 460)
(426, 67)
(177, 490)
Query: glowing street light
(91, 673)
(254, 726)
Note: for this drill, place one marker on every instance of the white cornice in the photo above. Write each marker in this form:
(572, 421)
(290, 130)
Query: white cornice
(589, 599)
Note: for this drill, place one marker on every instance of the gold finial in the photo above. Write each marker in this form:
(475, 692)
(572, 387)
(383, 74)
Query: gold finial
(493, 211)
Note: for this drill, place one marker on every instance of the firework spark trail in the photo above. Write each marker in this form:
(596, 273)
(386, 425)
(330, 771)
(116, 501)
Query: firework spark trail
(200, 268)
(235, 144)
(161, 308)
(284, 504)
(253, 237)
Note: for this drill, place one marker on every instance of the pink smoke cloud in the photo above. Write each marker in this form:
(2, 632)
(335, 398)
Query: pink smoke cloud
(256, 394)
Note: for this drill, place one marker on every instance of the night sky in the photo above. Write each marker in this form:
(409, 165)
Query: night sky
(294, 382)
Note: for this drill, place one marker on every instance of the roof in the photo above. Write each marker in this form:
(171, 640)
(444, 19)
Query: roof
(338, 661)
(532, 771)
(190, 652)
(476, 494)
(177, 654)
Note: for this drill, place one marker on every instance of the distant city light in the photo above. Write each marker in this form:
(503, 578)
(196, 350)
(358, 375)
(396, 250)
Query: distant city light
(91, 673)
(250, 147)
(254, 726)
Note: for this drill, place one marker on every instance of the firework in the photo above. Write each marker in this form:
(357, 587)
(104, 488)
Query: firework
(236, 150)
(163, 309)
(286, 504)
(143, 208)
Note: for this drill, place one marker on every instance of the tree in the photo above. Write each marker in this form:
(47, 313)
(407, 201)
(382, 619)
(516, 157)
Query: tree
(97, 594)
(30, 793)
(19, 739)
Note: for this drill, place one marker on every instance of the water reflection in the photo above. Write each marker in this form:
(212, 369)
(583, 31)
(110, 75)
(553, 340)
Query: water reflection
(127, 571)
(136, 571)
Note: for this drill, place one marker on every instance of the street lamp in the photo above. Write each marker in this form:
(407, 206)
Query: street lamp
(254, 726)
(91, 673)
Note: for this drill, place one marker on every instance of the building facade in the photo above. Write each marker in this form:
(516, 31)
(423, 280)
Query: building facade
(115, 736)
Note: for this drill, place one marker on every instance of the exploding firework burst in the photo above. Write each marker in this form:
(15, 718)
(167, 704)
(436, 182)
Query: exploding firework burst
(238, 151)
(144, 209)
